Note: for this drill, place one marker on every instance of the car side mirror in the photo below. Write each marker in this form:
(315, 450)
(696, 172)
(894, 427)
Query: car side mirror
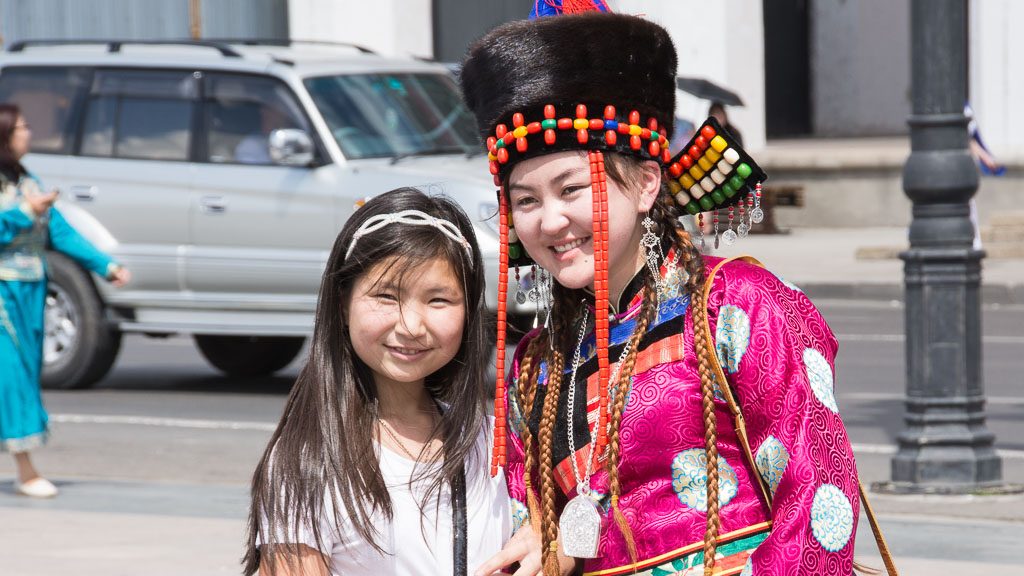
(290, 147)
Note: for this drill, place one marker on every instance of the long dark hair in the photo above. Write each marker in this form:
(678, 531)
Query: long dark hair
(9, 165)
(322, 455)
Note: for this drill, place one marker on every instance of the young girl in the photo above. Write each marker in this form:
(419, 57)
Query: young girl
(379, 463)
(621, 442)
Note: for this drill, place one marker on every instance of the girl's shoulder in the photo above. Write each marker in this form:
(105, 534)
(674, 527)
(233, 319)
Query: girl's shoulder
(739, 280)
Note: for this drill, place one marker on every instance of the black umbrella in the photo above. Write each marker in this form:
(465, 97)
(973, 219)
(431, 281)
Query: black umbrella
(708, 91)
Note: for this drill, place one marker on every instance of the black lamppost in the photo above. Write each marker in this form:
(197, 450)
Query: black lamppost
(946, 447)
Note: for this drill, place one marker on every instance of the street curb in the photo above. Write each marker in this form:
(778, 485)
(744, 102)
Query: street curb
(1005, 294)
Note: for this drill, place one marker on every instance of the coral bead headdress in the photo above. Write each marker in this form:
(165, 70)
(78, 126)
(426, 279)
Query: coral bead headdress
(597, 82)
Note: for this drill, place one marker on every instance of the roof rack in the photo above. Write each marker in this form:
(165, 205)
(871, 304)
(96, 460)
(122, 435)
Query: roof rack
(115, 45)
(287, 42)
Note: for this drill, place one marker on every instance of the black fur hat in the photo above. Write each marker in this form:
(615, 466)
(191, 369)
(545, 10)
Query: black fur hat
(596, 59)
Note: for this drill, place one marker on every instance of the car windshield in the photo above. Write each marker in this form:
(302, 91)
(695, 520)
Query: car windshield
(394, 115)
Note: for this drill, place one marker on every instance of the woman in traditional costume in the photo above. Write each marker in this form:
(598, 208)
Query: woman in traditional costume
(622, 447)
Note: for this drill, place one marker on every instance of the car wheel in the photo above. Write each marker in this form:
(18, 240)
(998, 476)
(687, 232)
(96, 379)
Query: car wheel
(79, 345)
(248, 356)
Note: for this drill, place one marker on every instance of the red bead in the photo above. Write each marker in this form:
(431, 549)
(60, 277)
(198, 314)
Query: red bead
(686, 161)
(623, 128)
(634, 142)
(533, 127)
(634, 117)
(500, 130)
(707, 132)
(645, 134)
(701, 142)
(654, 148)
(503, 155)
(517, 119)
(549, 137)
(596, 123)
(609, 112)
(491, 141)
(665, 154)
(610, 137)
(509, 138)
(497, 180)
(549, 111)
(652, 124)
(564, 123)
(521, 144)
(694, 152)
(582, 136)
(493, 167)
(581, 111)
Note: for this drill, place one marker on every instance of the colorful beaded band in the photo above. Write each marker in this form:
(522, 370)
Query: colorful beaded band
(712, 171)
(498, 146)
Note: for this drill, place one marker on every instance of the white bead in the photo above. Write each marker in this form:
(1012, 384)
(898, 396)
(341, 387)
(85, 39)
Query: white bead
(682, 198)
(731, 156)
(717, 176)
(707, 184)
(724, 167)
(513, 237)
(696, 191)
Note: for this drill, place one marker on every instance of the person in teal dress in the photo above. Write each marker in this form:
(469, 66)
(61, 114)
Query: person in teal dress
(29, 226)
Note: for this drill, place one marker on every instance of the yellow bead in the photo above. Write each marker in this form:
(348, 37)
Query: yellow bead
(718, 143)
(635, 130)
(674, 187)
(705, 164)
(713, 155)
(687, 181)
(492, 157)
(581, 124)
(696, 172)
(519, 132)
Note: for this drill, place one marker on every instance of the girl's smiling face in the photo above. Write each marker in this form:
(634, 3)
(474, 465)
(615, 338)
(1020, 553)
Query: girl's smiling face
(406, 324)
(552, 210)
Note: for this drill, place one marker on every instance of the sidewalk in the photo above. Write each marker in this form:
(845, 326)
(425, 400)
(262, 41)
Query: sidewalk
(824, 263)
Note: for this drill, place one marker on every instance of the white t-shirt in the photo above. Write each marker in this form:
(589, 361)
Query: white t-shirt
(414, 546)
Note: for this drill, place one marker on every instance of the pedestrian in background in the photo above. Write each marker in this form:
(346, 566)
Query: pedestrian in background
(29, 226)
(379, 463)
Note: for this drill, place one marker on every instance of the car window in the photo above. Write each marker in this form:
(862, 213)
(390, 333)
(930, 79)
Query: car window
(46, 96)
(241, 111)
(139, 114)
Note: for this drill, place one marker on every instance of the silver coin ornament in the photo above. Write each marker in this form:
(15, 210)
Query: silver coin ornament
(729, 237)
(580, 527)
(520, 297)
(743, 229)
(756, 215)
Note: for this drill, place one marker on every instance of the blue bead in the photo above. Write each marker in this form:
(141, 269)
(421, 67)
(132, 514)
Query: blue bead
(611, 125)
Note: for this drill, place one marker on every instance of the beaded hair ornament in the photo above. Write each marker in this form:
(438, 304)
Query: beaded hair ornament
(413, 218)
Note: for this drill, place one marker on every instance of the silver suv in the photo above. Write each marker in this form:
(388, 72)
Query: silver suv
(220, 173)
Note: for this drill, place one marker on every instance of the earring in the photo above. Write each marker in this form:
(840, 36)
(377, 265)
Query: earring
(651, 246)
(540, 293)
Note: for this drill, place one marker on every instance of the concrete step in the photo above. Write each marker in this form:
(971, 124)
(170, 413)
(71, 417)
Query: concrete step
(993, 250)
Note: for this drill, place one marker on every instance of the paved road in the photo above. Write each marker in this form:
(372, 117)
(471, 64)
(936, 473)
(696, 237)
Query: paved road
(154, 461)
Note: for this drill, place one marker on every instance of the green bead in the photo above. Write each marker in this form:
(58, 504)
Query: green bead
(654, 136)
(736, 181)
(500, 143)
(693, 208)
(728, 189)
(743, 170)
(706, 202)
(718, 197)
(514, 251)
(549, 124)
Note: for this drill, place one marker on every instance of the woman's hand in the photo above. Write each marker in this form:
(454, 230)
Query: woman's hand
(120, 276)
(524, 547)
(40, 203)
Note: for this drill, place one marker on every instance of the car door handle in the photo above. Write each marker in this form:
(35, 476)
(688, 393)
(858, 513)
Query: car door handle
(213, 204)
(84, 193)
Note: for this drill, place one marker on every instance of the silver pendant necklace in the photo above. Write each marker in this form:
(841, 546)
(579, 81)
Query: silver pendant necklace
(580, 522)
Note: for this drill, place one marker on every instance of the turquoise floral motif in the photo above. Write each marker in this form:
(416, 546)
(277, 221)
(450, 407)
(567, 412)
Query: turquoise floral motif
(771, 460)
(673, 282)
(790, 285)
(831, 518)
(732, 335)
(690, 479)
(819, 373)
(748, 568)
(520, 514)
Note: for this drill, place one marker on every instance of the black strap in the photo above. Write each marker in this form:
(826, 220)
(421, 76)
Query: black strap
(459, 524)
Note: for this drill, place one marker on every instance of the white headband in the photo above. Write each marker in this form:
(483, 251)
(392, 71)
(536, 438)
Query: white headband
(414, 218)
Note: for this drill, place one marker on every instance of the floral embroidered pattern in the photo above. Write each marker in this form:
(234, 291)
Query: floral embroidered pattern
(748, 568)
(732, 336)
(831, 518)
(520, 514)
(690, 479)
(771, 460)
(819, 373)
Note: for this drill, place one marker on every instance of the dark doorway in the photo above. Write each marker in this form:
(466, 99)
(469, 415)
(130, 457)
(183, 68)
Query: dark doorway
(787, 68)
(459, 22)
